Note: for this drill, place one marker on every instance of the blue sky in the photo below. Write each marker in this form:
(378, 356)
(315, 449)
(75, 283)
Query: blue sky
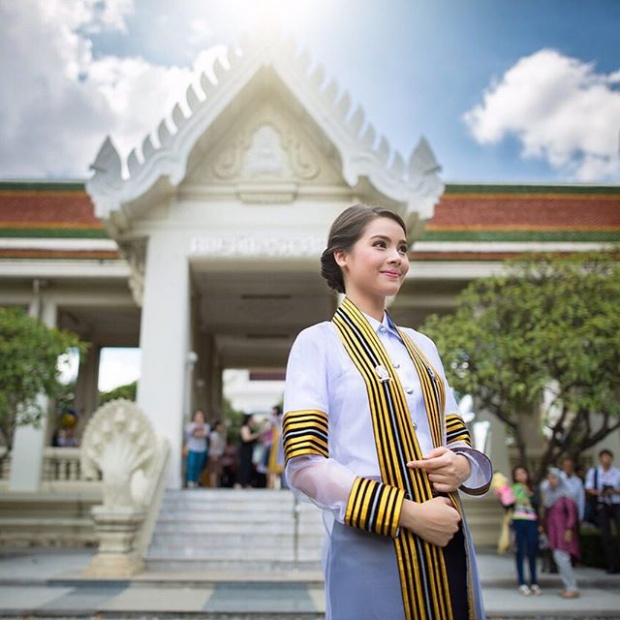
(504, 90)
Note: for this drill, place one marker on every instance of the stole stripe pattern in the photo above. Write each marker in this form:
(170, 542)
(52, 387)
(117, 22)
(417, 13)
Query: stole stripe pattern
(422, 569)
(455, 426)
(374, 507)
(456, 430)
(305, 432)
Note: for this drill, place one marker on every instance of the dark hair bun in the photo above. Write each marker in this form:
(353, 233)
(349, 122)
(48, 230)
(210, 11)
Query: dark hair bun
(331, 271)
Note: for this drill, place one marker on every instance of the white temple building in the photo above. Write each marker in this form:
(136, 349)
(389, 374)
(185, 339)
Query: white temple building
(202, 248)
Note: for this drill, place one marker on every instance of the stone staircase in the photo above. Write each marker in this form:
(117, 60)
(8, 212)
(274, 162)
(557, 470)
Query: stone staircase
(48, 519)
(484, 516)
(234, 530)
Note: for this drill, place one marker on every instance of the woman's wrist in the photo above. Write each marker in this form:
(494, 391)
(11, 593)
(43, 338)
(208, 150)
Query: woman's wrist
(463, 467)
(408, 514)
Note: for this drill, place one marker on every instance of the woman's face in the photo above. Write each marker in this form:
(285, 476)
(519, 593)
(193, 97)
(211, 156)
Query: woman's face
(521, 475)
(553, 481)
(377, 264)
(199, 417)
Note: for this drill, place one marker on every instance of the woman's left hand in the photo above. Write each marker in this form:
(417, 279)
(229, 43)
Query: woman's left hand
(446, 470)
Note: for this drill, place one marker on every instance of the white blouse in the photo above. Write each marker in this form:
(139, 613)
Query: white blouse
(321, 376)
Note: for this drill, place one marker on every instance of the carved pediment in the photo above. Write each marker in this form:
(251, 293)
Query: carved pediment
(264, 125)
(266, 154)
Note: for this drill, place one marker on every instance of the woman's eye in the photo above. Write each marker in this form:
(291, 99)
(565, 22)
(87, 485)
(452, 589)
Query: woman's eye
(379, 244)
(403, 249)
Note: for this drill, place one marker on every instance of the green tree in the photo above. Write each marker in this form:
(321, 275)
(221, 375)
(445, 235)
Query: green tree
(543, 337)
(127, 391)
(29, 368)
(233, 419)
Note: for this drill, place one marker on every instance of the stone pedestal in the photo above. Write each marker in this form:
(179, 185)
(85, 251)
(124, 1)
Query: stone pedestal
(116, 530)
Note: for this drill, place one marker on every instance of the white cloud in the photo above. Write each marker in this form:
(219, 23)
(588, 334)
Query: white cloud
(118, 366)
(58, 102)
(139, 94)
(560, 110)
(199, 31)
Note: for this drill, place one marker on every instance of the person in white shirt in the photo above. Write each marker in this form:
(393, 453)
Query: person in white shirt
(603, 482)
(372, 435)
(574, 485)
(196, 435)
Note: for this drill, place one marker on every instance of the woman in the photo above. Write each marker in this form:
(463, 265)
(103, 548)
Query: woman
(248, 441)
(216, 450)
(562, 527)
(525, 527)
(275, 461)
(371, 435)
(196, 434)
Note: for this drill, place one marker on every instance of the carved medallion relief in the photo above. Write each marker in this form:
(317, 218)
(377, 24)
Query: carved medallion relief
(268, 148)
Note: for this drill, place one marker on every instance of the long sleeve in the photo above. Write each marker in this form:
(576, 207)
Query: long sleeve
(309, 471)
(322, 480)
(356, 500)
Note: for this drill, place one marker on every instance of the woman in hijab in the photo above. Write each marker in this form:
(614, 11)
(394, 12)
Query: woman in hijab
(561, 524)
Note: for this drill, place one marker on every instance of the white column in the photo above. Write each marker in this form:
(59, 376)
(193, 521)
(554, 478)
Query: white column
(28, 441)
(164, 341)
(497, 448)
(86, 390)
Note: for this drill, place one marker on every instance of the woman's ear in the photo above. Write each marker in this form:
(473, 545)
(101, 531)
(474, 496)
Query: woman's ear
(340, 256)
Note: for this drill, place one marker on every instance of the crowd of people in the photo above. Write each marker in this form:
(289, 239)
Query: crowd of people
(214, 460)
(546, 520)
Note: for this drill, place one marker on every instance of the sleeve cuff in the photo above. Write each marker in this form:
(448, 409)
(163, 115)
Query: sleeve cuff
(374, 507)
(482, 471)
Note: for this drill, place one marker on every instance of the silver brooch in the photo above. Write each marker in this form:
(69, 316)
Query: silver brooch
(382, 373)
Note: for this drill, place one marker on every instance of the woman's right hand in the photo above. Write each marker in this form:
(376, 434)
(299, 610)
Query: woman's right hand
(436, 520)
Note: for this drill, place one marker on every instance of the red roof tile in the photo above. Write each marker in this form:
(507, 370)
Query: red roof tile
(526, 212)
(41, 209)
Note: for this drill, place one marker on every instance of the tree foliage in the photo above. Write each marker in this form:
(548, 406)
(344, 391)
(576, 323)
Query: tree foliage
(29, 368)
(542, 337)
(127, 391)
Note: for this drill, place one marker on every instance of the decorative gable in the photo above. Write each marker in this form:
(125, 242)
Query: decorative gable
(267, 156)
(268, 146)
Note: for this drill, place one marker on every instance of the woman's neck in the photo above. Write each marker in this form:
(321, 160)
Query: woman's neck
(372, 307)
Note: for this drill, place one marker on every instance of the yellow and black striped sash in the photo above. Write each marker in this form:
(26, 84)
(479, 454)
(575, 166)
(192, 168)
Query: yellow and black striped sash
(423, 575)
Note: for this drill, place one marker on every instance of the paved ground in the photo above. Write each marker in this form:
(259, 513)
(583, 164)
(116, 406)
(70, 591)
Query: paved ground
(48, 584)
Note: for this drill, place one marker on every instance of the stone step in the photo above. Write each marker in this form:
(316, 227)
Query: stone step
(241, 539)
(226, 563)
(235, 553)
(217, 526)
(267, 546)
(242, 530)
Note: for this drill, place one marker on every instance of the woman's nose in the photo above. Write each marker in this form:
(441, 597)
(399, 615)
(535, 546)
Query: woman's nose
(395, 256)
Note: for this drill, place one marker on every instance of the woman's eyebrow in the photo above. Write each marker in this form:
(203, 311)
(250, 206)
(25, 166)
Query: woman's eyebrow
(386, 238)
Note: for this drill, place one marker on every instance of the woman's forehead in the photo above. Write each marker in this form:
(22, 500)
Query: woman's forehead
(384, 226)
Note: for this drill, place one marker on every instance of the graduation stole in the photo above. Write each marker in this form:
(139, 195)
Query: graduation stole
(422, 568)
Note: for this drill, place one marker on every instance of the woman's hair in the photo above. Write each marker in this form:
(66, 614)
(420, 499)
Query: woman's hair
(246, 418)
(524, 468)
(346, 229)
(196, 413)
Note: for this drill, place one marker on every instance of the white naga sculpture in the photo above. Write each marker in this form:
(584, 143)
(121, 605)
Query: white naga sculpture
(120, 442)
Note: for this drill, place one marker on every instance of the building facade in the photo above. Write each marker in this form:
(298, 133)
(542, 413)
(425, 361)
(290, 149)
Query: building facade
(202, 248)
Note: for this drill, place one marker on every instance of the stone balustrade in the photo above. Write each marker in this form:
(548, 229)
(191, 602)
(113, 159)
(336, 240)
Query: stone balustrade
(60, 465)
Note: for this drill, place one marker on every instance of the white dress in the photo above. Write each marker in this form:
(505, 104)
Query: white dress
(321, 376)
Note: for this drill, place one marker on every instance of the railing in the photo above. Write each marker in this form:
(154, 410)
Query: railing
(59, 465)
(153, 497)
